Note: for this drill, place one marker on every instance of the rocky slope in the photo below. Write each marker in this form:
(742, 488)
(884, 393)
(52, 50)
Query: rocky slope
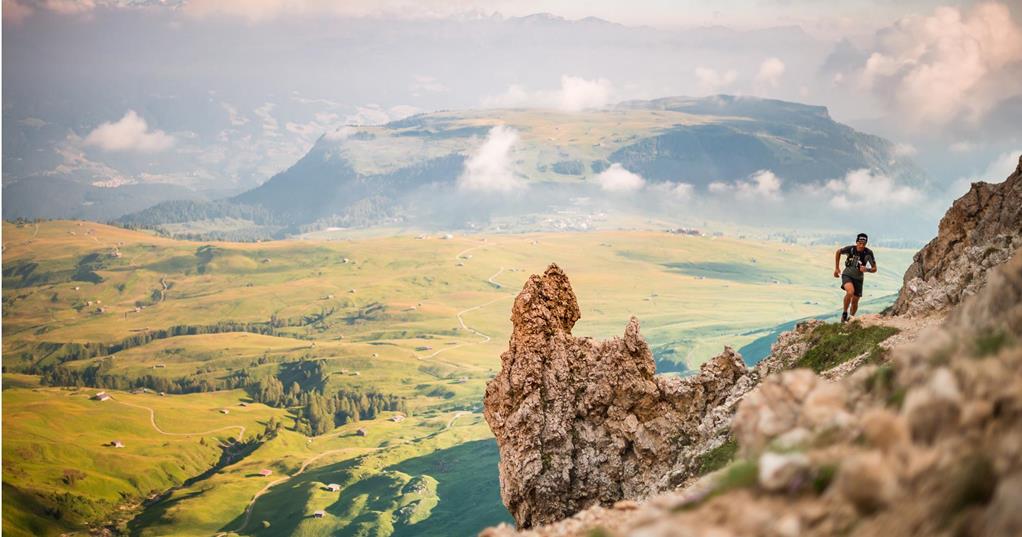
(923, 439)
(582, 423)
(981, 230)
(928, 444)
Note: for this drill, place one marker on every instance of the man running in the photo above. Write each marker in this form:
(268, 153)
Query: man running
(860, 260)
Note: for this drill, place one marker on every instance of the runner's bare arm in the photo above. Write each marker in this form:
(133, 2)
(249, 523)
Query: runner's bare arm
(837, 263)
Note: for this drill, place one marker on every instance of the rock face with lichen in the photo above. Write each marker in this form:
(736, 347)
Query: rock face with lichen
(582, 422)
(982, 229)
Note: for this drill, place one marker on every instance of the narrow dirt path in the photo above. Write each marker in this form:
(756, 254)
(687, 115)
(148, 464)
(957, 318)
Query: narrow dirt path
(152, 420)
(484, 338)
(458, 255)
(496, 283)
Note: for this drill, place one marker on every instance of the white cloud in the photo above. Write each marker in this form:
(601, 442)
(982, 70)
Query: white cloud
(770, 72)
(340, 133)
(69, 7)
(712, 81)
(265, 10)
(368, 115)
(515, 96)
(15, 11)
(130, 133)
(578, 93)
(427, 84)
(233, 116)
(617, 179)
(962, 147)
(319, 101)
(402, 111)
(862, 188)
(326, 117)
(678, 191)
(719, 187)
(762, 185)
(905, 150)
(995, 172)
(374, 114)
(1001, 167)
(950, 65)
(305, 130)
(575, 94)
(265, 113)
(33, 122)
(491, 168)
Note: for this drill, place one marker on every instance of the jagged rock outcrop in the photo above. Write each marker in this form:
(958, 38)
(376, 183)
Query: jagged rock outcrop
(582, 422)
(982, 229)
(929, 444)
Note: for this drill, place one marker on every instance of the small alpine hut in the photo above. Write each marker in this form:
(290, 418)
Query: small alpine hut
(333, 487)
(101, 396)
(361, 432)
(266, 472)
(116, 444)
(319, 514)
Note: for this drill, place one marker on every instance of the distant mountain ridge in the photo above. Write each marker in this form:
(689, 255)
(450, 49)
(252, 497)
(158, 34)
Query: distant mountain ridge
(361, 175)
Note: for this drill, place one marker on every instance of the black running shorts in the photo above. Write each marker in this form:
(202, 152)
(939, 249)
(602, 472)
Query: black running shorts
(855, 281)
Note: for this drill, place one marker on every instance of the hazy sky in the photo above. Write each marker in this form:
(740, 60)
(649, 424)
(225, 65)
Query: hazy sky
(219, 95)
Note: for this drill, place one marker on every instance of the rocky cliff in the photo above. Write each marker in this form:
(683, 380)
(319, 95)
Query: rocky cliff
(982, 229)
(924, 438)
(582, 422)
(929, 443)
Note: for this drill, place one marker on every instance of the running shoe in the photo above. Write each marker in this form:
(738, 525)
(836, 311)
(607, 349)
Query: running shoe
(844, 316)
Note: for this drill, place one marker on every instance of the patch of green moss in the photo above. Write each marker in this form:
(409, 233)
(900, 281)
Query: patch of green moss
(882, 380)
(897, 397)
(834, 344)
(739, 475)
(989, 343)
(717, 458)
(823, 477)
(972, 483)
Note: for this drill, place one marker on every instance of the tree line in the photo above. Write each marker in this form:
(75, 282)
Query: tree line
(98, 376)
(66, 352)
(317, 412)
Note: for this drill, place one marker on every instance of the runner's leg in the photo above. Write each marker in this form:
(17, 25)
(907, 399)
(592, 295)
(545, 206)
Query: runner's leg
(855, 304)
(849, 294)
